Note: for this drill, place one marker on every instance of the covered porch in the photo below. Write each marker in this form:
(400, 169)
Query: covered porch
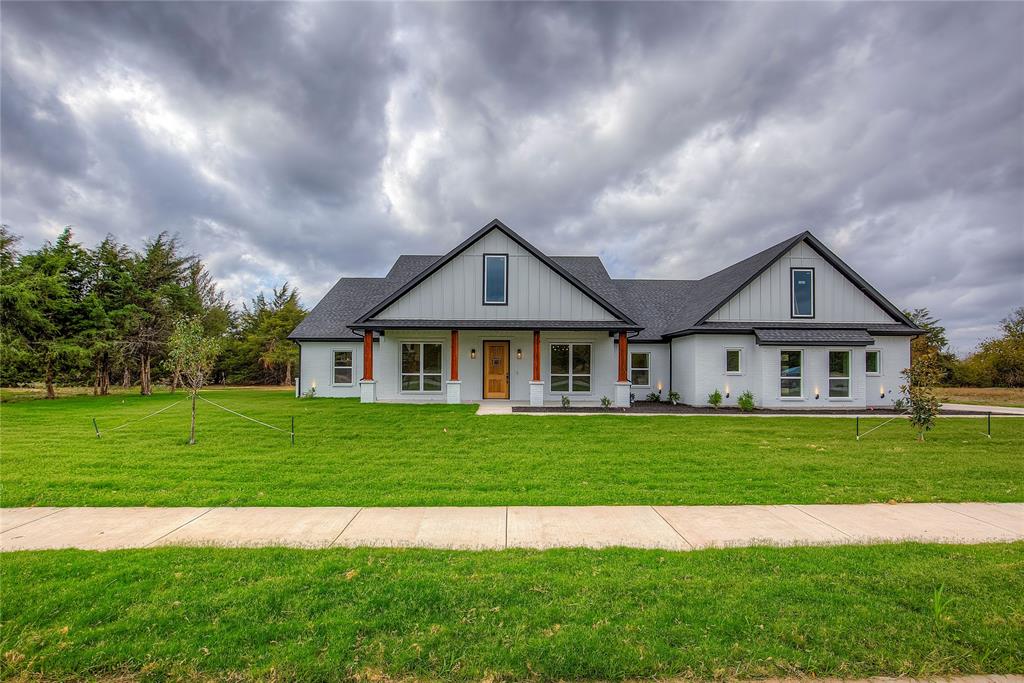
(535, 366)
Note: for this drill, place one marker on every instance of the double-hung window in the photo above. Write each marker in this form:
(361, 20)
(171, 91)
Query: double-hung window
(791, 374)
(495, 279)
(640, 369)
(873, 362)
(839, 374)
(343, 367)
(732, 362)
(570, 367)
(421, 366)
(802, 292)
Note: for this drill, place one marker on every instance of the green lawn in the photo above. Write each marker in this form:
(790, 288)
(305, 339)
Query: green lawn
(375, 614)
(352, 454)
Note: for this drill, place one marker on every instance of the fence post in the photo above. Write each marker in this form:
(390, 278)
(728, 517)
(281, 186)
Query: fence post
(96, 427)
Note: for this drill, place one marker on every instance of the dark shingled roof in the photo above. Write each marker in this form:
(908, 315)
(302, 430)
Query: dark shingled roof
(813, 337)
(662, 308)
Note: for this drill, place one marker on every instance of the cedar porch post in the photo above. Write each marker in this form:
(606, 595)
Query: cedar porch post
(536, 385)
(455, 356)
(536, 355)
(367, 356)
(623, 358)
(367, 386)
(622, 394)
(453, 389)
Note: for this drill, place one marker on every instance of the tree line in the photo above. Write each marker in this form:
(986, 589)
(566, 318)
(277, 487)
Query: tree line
(995, 362)
(70, 315)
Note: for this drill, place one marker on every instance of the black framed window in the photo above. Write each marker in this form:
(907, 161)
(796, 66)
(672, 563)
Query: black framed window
(570, 367)
(421, 367)
(495, 279)
(791, 374)
(802, 292)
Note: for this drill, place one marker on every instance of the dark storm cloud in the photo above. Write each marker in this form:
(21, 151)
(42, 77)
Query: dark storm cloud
(312, 140)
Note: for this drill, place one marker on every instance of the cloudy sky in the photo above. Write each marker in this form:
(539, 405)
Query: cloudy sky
(304, 142)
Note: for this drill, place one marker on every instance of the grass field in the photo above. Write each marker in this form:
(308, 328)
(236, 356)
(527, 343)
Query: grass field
(994, 396)
(568, 614)
(352, 454)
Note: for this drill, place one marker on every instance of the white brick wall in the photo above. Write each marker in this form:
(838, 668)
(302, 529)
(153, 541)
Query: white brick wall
(698, 368)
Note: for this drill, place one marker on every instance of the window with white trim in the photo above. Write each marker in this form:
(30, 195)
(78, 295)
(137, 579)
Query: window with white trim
(640, 368)
(839, 374)
(873, 362)
(802, 292)
(495, 279)
(791, 374)
(421, 367)
(342, 367)
(570, 368)
(732, 362)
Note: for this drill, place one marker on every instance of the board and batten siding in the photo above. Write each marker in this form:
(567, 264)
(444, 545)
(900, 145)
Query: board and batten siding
(455, 291)
(767, 298)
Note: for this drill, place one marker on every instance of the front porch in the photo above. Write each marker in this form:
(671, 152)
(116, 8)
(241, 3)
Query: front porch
(500, 365)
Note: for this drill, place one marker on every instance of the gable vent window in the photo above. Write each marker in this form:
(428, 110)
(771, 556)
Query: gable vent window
(495, 279)
(803, 292)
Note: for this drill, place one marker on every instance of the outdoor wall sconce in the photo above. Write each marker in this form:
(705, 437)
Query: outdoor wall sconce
(472, 354)
(519, 354)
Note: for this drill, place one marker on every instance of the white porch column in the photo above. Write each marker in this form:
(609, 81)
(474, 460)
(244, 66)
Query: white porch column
(622, 394)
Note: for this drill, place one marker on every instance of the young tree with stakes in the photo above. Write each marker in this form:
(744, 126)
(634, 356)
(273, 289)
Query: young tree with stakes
(923, 374)
(194, 353)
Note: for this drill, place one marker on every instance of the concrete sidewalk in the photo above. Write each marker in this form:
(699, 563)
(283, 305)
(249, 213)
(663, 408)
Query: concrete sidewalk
(479, 528)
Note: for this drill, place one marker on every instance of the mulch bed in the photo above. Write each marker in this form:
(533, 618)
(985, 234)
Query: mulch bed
(654, 407)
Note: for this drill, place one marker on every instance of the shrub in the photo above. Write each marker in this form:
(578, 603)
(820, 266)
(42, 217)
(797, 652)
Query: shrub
(746, 401)
(654, 396)
(606, 402)
(565, 401)
(673, 396)
(715, 398)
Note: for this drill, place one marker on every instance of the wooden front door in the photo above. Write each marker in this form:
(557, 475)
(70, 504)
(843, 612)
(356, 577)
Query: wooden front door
(496, 369)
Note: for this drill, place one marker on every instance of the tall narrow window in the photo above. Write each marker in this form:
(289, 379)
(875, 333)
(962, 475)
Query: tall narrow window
(791, 375)
(732, 361)
(570, 367)
(640, 369)
(873, 362)
(803, 292)
(421, 367)
(343, 367)
(495, 279)
(839, 374)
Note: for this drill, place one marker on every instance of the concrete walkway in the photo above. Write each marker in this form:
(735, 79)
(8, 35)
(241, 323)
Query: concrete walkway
(478, 528)
(995, 410)
(593, 408)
